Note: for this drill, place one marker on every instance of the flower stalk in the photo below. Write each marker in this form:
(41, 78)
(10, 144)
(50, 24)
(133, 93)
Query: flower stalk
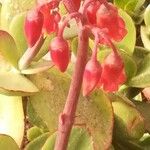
(66, 118)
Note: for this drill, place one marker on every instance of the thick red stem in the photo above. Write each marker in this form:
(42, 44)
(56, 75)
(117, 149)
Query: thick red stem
(66, 118)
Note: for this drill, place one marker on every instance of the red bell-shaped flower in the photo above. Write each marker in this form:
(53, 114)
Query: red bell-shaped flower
(113, 73)
(51, 22)
(91, 12)
(51, 18)
(60, 53)
(91, 76)
(33, 26)
(107, 17)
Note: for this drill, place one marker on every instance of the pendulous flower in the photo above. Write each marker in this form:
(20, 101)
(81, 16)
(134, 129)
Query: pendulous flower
(113, 73)
(33, 26)
(107, 17)
(60, 53)
(91, 76)
(51, 18)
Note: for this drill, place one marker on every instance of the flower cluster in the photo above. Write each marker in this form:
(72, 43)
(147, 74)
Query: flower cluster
(40, 20)
(99, 15)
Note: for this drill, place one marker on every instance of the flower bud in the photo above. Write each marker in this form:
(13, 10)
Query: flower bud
(60, 53)
(91, 76)
(33, 26)
(107, 17)
(113, 73)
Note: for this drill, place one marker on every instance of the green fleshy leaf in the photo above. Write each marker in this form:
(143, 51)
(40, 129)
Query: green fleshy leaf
(130, 65)
(38, 142)
(144, 109)
(128, 43)
(16, 84)
(34, 118)
(7, 143)
(147, 16)
(145, 36)
(79, 140)
(139, 54)
(10, 8)
(37, 67)
(127, 145)
(127, 126)
(8, 48)
(139, 4)
(16, 29)
(33, 133)
(121, 4)
(45, 47)
(129, 92)
(12, 117)
(145, 141)
(71, 31)
(49, 102)
(4, 65)
(142, 78)
(129, 5)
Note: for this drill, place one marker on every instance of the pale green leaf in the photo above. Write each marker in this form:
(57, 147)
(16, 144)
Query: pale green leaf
(71, 31)
(147, 16)
(95, 112)
(45, 47)
(79, 140)
(129, 5)
(7, 143)
(38, 142)
(144, 109)
(128, 43)
(10, 8)
(8, 48)
(127, 126)
(34, 118)
(12, 117)
(16, 29)
(37, 67)
(139, 54)
(33, 133)
(142, 78)
(16, 84)
(145, 36)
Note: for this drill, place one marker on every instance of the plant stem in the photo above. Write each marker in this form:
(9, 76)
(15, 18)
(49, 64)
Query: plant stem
(66, 118)
(30, 53)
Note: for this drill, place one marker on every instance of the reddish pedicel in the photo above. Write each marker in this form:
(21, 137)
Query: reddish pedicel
(91, 76)
(33, 26)
(60, 53)
(107, 17)
(113, 73)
